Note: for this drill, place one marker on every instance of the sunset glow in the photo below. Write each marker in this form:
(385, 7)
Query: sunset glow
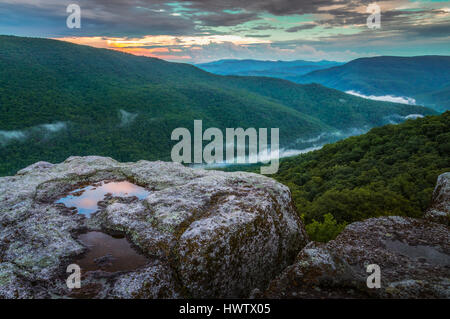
(161, 46)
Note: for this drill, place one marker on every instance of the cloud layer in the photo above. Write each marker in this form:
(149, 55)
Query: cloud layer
(274, 29)
(386, 98)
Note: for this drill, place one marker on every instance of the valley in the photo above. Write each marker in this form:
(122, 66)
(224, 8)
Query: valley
(125, 106)
(220, 158)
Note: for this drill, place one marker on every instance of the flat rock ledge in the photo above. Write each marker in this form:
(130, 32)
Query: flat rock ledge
(413, 256)
(206, 233)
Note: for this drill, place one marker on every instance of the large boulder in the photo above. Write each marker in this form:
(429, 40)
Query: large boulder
(440, 207)
(413, 256)
(205, 233)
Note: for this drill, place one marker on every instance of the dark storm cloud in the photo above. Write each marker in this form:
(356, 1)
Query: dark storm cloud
(215, 12)
(104, 18)
(276, 7)
(391, 40)
(435, 30)
(135, 18)
(264, 27)
(258, 35)
(227, 19)
(341, 13)
(302, 27)
(139, 17)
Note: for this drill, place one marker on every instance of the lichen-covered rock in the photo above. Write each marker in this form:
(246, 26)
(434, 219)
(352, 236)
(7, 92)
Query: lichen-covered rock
(439, 211)
(413, 256)
(217, 234)
(11, 283)
(153, 282)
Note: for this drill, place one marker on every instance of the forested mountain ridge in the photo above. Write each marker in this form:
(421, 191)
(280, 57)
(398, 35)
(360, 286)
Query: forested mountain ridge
(391, 170)
(424, 78)
(59, 99)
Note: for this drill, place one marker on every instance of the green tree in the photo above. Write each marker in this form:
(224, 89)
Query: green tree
(326, 230)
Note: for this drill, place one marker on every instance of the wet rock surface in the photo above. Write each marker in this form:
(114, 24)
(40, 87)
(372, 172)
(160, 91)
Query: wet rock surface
(413, 256)
(203, 233)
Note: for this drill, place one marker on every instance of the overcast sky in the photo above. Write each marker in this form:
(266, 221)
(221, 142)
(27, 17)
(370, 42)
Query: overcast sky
(206, 30)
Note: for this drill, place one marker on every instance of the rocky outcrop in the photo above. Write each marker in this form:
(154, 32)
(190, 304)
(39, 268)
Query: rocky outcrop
(413, 256)
(440, 207)
(205, 233)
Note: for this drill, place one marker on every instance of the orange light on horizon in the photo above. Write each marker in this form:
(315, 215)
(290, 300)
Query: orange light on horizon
(161, 46)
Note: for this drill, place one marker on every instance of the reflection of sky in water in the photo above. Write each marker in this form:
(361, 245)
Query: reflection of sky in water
(86, 199)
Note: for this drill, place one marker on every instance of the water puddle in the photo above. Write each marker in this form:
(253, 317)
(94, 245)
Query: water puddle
(86, 199)
(109, 254)
(429, 254)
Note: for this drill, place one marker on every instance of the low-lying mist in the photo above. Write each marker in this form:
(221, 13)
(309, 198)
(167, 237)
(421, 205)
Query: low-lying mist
(45, 130)
(126, 118)
(308, 144)
(385, 98)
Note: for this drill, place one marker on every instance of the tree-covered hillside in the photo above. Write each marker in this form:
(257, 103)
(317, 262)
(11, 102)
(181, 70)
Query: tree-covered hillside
(59, 99)
(391, 170)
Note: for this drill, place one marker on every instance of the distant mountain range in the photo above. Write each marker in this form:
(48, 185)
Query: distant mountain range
(287, 70)
(423, 80)
(59, 99)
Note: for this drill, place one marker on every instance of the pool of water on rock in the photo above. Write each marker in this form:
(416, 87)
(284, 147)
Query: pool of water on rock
(105, 252)
(86, 199)
(109, 254)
